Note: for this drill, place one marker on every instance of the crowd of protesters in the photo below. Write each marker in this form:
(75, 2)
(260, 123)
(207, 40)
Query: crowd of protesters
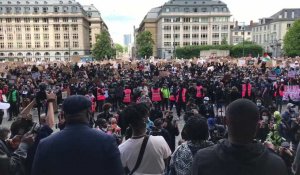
(235, 119)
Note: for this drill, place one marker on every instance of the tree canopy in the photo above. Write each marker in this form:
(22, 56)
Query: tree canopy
(103, 48)
(292, 40)
(145, 44)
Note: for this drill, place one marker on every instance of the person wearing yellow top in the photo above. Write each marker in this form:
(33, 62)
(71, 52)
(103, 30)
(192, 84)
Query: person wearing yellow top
(166, 95)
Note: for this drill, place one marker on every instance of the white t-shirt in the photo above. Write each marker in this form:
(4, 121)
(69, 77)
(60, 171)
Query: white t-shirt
(152, 163)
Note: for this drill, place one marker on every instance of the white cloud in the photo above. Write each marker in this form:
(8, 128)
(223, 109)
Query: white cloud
(122, 15)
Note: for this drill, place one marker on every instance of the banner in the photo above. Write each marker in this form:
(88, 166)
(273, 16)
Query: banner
(291, 91)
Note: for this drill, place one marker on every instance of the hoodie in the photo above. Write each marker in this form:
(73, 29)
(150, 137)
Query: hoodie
(228, 159)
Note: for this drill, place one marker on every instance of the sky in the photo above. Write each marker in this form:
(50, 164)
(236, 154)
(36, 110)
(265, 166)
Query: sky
(121, 15)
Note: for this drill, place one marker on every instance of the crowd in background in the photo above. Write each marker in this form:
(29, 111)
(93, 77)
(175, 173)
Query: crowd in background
(123, 100)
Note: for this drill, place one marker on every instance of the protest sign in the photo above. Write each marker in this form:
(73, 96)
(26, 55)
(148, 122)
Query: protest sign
(292, 74)
(291, 91)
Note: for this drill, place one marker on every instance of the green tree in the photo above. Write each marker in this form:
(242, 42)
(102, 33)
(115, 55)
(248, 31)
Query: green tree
(145, 44)
(103, 48)
(292, 40)
(224, 41)
(119, 48)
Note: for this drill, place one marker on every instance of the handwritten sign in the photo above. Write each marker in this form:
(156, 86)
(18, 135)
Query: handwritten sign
(291, 91)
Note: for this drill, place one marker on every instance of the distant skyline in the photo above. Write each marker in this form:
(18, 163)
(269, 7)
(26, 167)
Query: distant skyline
(121, 15)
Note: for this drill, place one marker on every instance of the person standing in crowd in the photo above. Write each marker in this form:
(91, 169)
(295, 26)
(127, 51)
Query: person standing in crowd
(196, 132)
(17, 153)
(106, 114)
(97, 152)
(239, 154)
(171, 125)
(207, 109)
(100, 91)
(173, 93)
(278, 94)
(199, 94)
(127, 96)
(246, 89)
(41, 97)
(13, 99)
(119, 95)
(166, 95)
(142, 154)
(156, 95)
(181, 98)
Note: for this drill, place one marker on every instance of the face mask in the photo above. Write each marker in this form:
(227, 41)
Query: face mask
(265, 118)
(205, 102)
(258, 104)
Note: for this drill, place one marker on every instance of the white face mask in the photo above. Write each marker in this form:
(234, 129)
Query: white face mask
(8, 136)
(265, 118)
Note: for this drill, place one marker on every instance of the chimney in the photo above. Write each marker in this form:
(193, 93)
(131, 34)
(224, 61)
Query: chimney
(251, 23)
(236, 23)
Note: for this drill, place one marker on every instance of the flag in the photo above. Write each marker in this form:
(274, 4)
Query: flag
(266, 58)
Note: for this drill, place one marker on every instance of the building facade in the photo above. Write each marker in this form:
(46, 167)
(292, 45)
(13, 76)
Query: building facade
(270, 32)
(127, 40)
(47, 30)
(180, 23)
(241, 32)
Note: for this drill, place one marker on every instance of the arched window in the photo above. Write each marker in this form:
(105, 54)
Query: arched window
(28, 56)
(20, 55)
(10, 54)
(75, 53)
(57, 56)
(66, 56)
(38, 56)
(47, 56)
(1, 54)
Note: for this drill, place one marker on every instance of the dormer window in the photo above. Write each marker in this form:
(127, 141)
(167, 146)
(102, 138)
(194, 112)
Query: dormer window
(61, 2)
(8, 2)
(36, 2)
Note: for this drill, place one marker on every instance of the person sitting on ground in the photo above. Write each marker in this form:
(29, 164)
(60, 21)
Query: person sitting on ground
(106, 112)
(196, 131)
(239, 154)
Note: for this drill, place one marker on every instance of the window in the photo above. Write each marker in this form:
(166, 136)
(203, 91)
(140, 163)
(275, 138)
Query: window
(57, 44)
(74, 19)
(26, 10)
(1, 28)
(36, 36)
(35, 9)
(75, 36)
(37, 44)
(66, 44)
(176, 36)
(66, 36)
(45, 28)
(167, 36)
(167, 27)
(249, 33)
(10, 45)
(167, 10)
(36, 20)
(9, 28)
(56, 9)
(8, 20)
(75, 27)
(36, 28)
(45, 20)
(176, 43)
(236, 33)
(1, 37)
(10, 37)
(65, 9)
(167, 20)
(215, 43)
(19, 36)
(195, 10)
(27, 28)
(45, 9)
(186, 27)
(176, 27)
(186, 35)
(66, 28)
(186, 9)
(195, 35)
(46, 36)
(186, 19)
(204, 9)
(46, 44)
(65, 19)
(224, 35)
(56, 19)
(176, 19)
(18, 20)
(28, 36)
(166, 44)
(195, 43)
(203, 36)
(186, 43)
(215, 27)
(28, 45)
(195, 28)
(57, 36)
(2, 46)
(18, 10)
(215, 35)
(56, 27)
(27, 20)
(204, 27)
(75, 44)
(274, 28)
(224, 27)
(18, 28)
(19, 45)
(288, 25)
(8, 10)
(74, 9)
(195, 19)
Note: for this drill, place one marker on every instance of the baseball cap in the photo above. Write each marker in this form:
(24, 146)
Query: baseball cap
(75, 104)
(206, 98)
(290, 105)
